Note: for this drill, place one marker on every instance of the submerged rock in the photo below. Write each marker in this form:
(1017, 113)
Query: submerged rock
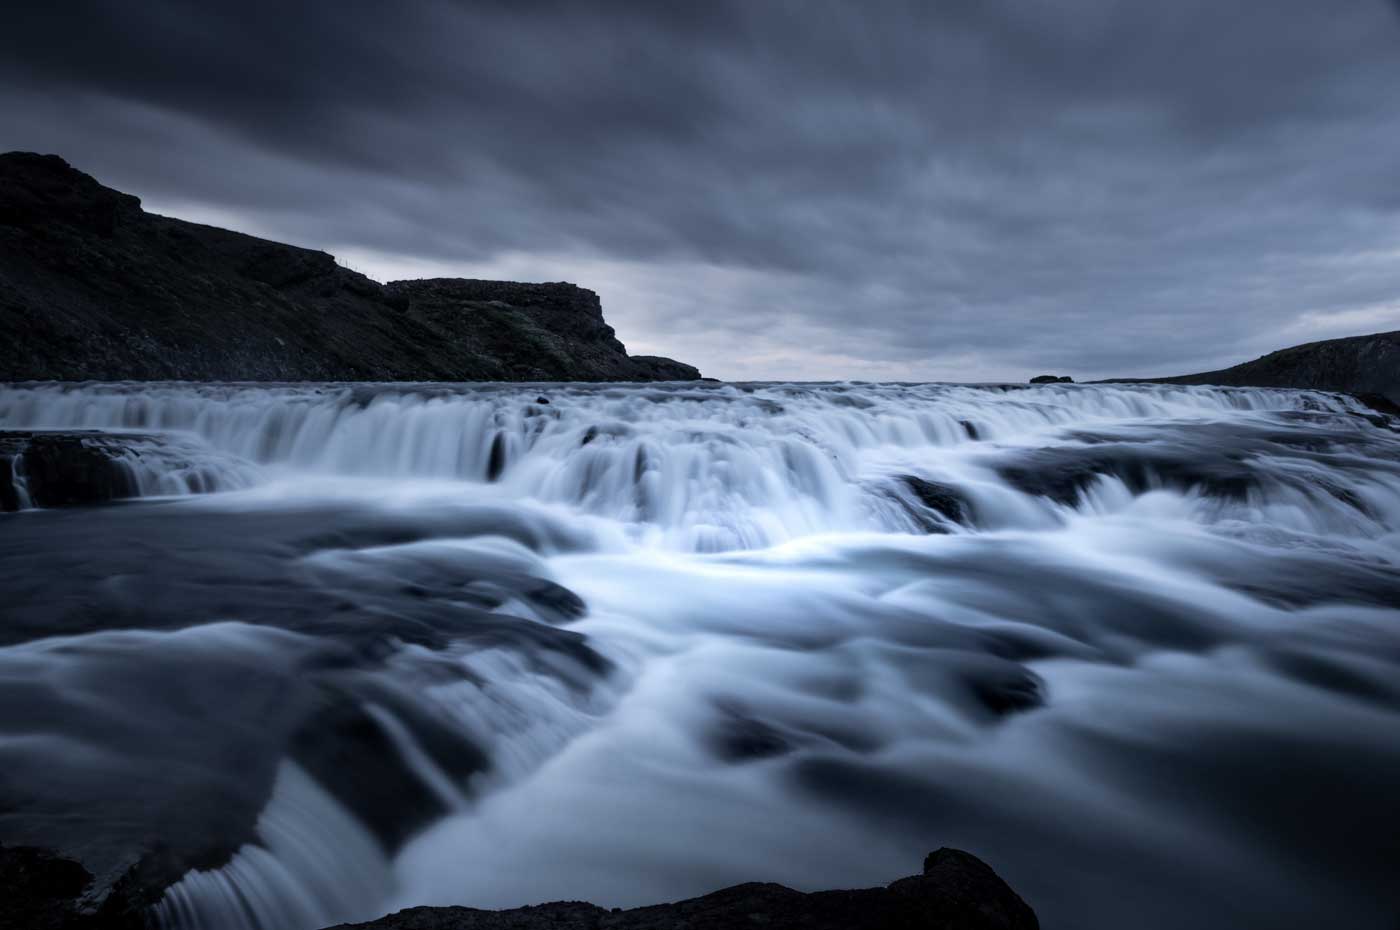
(957, 891)
(940, 498)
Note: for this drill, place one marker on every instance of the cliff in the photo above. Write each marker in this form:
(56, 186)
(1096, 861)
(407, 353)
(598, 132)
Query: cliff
(1359, 365)
(94, 288)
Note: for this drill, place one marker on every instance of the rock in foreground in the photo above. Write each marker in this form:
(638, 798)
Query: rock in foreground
(94, 288)
(957, 891)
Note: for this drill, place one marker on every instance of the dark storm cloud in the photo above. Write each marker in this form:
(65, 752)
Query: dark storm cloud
(956, 189)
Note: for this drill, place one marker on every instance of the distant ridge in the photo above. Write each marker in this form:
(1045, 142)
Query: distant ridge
(94, 288)
(1353, 365)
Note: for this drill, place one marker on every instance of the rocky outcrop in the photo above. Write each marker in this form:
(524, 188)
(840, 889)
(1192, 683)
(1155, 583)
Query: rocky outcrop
(1358, 365)
(1052, 379)
(63, 469)
(43, 891)
(532, 332)
(957, 891)
(94, 288)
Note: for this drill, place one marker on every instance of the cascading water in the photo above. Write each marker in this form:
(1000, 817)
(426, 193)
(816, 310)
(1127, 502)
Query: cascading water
(493, 645)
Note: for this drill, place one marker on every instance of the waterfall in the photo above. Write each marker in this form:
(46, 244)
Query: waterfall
(702, 468)
(500, 644)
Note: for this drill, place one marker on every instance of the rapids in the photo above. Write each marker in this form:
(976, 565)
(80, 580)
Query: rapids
(360, 647)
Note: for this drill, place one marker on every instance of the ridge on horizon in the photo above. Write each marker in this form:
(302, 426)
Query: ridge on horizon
(99, 289)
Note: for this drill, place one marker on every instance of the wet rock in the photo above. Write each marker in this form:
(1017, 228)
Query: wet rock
(1005, 687)
(351, 754)
(1063, 473)
(940, 498)
(1379, 403)
(496, 460)
(555, 602)
(236, 658)
(957, 891)
(1052, 379)
(741, 737)
(40, 890)
(42, 469)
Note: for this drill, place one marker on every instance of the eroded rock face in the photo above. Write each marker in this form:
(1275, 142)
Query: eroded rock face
(93, 288)
(957, 891)
(532, 332)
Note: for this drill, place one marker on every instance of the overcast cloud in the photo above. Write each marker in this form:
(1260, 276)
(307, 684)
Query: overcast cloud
(964, 190)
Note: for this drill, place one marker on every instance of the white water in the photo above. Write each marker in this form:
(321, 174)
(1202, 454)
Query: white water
(1146, 670)
(702, 468)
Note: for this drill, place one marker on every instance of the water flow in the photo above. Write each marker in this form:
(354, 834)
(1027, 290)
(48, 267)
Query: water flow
(1135, 645)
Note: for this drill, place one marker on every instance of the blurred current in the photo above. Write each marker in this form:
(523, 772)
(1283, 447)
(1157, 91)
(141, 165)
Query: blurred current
(1136, 646)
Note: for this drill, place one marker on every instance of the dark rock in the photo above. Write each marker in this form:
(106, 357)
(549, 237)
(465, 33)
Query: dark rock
(741, 737)
(957, 891)
(659, 368)
(940, 498)
(354, 758)
(496, 460)
(1379, 403)
(93, 288)
(182, 783)
(43, 891)
(1052, 379)
(971, 894)
(541, 399)
(39, 890)
(1005, 687)
(1358, 365)
(555, 602)
(1063, 473)
(40, 469)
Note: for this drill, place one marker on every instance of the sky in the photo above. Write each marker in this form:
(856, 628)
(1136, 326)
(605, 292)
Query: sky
(959, 190)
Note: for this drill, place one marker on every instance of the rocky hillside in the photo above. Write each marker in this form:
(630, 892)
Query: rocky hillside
(93, 287)
(1354, 365)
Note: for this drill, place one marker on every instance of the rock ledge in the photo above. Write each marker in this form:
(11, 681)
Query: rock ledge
(957, 891)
